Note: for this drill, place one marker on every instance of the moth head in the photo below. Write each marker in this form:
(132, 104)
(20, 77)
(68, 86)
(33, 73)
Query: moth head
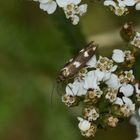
(62, 75)
(65, 72)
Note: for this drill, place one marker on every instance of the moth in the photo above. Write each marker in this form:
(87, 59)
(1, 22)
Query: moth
(75, 64)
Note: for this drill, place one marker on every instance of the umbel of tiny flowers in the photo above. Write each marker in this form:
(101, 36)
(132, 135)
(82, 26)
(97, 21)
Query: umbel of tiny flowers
(72, 8)
(107, 89)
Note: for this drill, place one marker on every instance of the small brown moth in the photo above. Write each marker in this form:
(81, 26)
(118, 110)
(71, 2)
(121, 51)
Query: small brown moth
(79, 61)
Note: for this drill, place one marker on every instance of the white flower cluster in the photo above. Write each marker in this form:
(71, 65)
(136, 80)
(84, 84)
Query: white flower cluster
(108, 92)
(71, 8)
(74, 10)
(120, 7)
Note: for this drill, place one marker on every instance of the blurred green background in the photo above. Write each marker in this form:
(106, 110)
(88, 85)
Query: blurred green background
(33, 47)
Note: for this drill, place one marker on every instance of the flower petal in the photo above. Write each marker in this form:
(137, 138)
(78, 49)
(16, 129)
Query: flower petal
(113, 82)
(69, 90)
(91, 81)
(109, 3)
(114, 68)
(75, 19)
(127, 90)
(75, 1)
(107, 76)
(129, 2)
(84, 125)
(99, 74)
(92, 62)
(50, 7)
(118, 56)
(137, 88)
(137, 7)
(43, 1)
(118, 101)
(83, 9)
(62, 3)
(127, 101)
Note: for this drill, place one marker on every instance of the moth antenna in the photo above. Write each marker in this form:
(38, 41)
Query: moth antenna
(57, 89)
(55, 86)
(52, 93)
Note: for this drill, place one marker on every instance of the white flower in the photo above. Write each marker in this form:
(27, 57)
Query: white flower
(103, 70)
(99, 74)
(127, 102)
(114, 68)
(121, 3)
(102, 76)
(137, 88)
(105, 64)
(44, 1)
(126, 77)
(118, 56)
(113, 82)
(75, 89)
(64, 3)
(109, 3)
(72, 9)
(91, 114)
(111, 94)
(127, 90)
(92, 62)
(82, 9)
(75, 19)
(127, 107)
(137, 7)
(69, 100)
(107, 76)
(98, 93)
(118, 7)
(136, 40)
(119, 101)
(48, 5)
(91, 81)
(83, 125)
(129, 2)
